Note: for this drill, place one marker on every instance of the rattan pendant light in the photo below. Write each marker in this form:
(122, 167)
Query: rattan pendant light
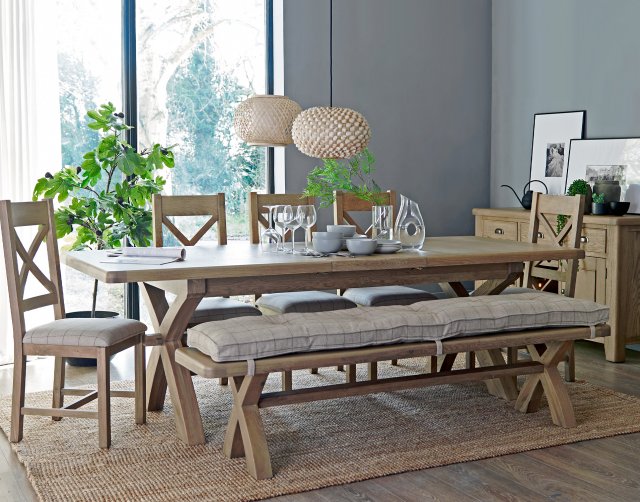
(265, 120)
(328, 132)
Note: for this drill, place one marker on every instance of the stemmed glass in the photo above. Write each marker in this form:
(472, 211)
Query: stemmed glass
(280, 223)
(307, 218)
(270, 239)
(290, 218)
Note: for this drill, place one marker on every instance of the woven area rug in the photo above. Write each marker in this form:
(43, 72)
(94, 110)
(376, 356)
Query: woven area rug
(312, 445)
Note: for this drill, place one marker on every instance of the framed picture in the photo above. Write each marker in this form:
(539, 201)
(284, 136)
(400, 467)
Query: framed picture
(552, 134)
(608, 159)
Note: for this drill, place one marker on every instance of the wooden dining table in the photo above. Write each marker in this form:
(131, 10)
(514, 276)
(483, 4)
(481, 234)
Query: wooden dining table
(241, 268)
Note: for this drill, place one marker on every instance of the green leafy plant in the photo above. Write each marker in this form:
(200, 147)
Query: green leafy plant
(598, 198)
(577, 187)
(352, 175)
(106, 199)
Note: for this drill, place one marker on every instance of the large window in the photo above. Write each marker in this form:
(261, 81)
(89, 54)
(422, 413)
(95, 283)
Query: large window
(195, 61)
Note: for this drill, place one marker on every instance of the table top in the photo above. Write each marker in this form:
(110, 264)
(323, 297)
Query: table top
(242, 259)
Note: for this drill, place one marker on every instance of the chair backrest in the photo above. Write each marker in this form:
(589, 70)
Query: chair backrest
(347, 203)
(165, 206)
(39, 214)
(258, 213)
(544, 212)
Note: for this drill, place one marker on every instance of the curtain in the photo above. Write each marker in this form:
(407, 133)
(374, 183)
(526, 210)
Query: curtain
(29, 114)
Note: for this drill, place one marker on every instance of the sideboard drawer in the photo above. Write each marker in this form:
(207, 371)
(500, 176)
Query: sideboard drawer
(543, 237)
(500, 229)
(593, 240)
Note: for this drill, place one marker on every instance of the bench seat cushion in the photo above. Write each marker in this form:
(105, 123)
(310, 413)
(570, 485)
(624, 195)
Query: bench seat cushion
(304, 301)
(380, 296)
(219, 309)
(247, 338)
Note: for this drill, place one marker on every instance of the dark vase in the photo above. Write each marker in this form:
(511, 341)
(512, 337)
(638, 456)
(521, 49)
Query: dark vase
(588, 199)
(86, 314)
(599, 209)
(610, 189)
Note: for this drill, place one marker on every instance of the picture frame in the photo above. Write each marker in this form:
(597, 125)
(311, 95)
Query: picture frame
(616, 159)
(552, 135)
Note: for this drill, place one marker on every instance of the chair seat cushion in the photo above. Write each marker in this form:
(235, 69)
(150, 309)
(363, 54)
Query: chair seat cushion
(219, 309)
(387, 295)
(304, 301)
(267, 336)
(84, 332)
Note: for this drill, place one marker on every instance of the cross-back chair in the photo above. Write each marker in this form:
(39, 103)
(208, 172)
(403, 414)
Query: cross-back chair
(559, 276)
(299, 301)
(344, 207)
(82, 338)
(166, 206)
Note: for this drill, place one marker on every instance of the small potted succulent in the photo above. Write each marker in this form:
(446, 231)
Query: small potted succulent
(106, 199)
(599, 206)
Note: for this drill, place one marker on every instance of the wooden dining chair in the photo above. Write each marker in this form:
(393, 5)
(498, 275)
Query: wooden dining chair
(165, 207)
(345, 207)
(81, 338)
(558, 276)
(299, 301)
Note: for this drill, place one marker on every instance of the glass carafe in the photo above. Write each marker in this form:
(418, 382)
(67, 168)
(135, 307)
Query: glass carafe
(409, 228)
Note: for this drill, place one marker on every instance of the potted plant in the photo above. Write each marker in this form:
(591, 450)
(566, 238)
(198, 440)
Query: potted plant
(577, 187)
(349, 175)
(598, 206)
(105, 200)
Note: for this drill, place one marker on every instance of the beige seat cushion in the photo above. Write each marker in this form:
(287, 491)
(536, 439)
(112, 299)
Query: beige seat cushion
(84, 332)
(219, 309)
(304, 301)
(267, 336)
(380, 296)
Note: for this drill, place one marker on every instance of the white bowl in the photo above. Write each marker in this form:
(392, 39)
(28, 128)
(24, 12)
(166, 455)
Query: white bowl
(346, 230)
(326, 245)
(361, 246)
(327, 235)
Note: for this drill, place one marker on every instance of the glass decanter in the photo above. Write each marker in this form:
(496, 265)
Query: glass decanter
(409, 228)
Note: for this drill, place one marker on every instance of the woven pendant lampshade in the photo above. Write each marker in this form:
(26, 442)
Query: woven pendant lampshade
(266, 120)
(328, 132)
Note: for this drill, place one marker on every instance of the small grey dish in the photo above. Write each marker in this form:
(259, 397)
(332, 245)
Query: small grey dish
(345, 230)
(362, 246)
(326, 245)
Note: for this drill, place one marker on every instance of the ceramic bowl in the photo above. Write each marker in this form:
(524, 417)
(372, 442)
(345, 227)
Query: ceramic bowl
(327, 235)
(327, 245)
(361, 246)
(619, 208)
(346, 230)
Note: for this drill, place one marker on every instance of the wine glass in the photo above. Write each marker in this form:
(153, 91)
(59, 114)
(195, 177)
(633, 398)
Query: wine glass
(270, 239)
(307, 218)
(290, 218)
(279, 222)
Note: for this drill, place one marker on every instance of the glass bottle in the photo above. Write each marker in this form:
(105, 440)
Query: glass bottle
(409, 228)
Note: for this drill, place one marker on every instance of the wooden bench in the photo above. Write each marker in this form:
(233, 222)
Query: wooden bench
(245, 435)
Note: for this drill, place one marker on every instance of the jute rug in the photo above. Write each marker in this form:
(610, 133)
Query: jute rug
(312, 445)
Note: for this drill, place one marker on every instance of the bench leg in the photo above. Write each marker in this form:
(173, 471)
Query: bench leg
(447, 362)
(373, 371)
(351, 373)
(313, 371)
(505, 387)
(394, 362)
(433, 364)
(340, 368)
(287, 380)
(245, 432)
(551, 383)
(470, 360)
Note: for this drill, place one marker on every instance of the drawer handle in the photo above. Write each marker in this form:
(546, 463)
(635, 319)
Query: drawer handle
(584, 239)
(499, 231)
(540, 235)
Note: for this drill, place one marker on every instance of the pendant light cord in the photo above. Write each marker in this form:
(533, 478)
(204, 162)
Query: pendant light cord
(330, 53)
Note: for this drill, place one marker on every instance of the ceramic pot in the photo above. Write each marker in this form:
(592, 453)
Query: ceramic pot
(599, 209)
(610, 189)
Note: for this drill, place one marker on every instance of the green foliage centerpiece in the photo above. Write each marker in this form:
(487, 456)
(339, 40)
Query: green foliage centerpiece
(106, 199)
(339, 174)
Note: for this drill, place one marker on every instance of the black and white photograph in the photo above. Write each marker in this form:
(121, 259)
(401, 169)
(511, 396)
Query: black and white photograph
(596, 173)
(555, 160)
(552, 134)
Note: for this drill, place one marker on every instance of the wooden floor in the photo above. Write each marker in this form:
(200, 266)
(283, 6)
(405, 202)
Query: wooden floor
(600, 470)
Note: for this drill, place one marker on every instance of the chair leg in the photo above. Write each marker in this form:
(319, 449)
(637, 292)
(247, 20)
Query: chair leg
(223, 381)
(140, 383)
(351, 373)
(58, 384)
(570, 365)
(104, 400)
(313, 371)
(17, 399)
(287, 380)
(394, 362)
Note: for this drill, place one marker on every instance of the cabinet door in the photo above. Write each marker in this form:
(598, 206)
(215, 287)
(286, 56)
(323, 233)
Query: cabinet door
(591, 279)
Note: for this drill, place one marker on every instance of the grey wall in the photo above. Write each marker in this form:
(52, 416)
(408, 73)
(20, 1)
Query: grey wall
(559, 55)
(420, 72)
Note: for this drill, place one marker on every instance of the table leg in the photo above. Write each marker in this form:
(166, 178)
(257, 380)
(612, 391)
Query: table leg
(163, 370)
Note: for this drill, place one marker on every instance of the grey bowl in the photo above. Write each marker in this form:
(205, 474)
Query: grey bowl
(327, 235)
(326, 245)
(346, 230)
(362, 246)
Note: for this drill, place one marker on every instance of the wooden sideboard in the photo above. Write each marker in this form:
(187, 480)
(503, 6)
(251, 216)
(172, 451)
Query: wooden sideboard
(609, 274)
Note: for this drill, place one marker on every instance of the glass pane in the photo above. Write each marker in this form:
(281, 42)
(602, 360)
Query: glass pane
(89, 74)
